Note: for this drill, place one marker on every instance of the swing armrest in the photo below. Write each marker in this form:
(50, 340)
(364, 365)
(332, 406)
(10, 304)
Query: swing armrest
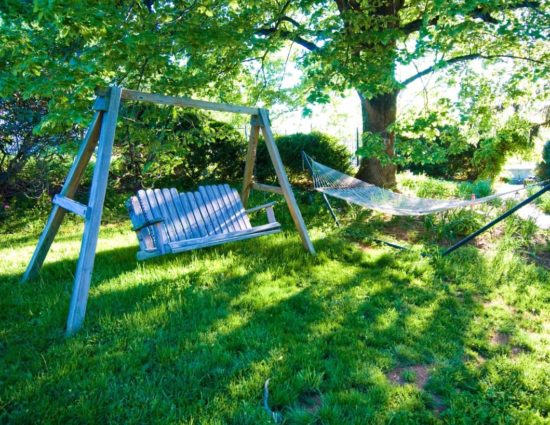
(147, 224)
(261, 207)
(269, 211)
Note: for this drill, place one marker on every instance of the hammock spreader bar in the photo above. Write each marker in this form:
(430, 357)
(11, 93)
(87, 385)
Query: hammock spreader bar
(308, 161)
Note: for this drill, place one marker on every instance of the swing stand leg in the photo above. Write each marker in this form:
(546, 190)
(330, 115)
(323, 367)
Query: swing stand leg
(85, 266)
(100, 134)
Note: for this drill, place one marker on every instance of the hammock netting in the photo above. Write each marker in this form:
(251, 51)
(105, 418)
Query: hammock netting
(339, 185)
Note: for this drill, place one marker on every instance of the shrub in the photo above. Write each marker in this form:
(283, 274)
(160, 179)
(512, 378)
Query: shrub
(159, 146)
(519, 231)
(543, 168)
(319, 146)
(27, 155)
(217, 153)
(427, 187)
(544, 203)
(455, 223)
(478, 188)
(445, 154)
(514, 137)
(438, 148)
(454, 166)
(432, 188)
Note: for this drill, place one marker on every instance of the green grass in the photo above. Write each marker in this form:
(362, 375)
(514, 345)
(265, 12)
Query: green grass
(192, 338)
(544, 203)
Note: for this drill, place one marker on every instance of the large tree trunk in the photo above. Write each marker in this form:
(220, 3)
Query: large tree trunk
(378, 114)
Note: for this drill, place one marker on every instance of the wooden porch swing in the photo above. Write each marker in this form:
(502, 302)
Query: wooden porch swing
(165, 221)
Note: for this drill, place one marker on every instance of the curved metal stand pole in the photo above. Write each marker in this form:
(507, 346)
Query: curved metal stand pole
(330, 210)
(496, 220)
(307, 162)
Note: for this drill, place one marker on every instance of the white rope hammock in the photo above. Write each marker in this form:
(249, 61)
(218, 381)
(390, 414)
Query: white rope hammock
(339, 185)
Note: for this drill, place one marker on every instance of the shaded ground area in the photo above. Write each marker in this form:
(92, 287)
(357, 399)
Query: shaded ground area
(417, 375)
(350, 336)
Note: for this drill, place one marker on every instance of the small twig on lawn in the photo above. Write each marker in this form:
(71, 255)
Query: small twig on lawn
(276, 416)
(45, 364)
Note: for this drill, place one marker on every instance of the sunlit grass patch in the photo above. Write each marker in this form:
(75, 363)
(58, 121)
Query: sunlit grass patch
(193, 338)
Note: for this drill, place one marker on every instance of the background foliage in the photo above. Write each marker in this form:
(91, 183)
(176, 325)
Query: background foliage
(319, 146)
(442, 148)
(160, 146)
(543, 169)
(29, 160)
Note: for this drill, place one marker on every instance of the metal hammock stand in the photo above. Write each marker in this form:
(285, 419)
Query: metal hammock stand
(328, 181)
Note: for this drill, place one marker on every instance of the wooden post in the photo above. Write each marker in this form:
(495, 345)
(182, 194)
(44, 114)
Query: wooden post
(69, 188)
(250, 158)
(283, 181)
(83, 275)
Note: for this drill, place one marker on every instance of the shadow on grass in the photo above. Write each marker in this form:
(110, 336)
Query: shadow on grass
(194, 337)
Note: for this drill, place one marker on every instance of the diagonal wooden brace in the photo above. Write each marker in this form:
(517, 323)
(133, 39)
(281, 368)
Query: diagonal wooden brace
(69, 188)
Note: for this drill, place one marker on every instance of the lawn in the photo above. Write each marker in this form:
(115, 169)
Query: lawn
(358, 334)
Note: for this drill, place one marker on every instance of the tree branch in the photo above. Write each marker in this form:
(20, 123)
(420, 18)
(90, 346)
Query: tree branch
(415, 25)
(478, 12)
(289, 35)
(445, 63)
(294, 22)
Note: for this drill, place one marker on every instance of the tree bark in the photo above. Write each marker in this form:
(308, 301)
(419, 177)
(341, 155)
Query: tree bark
(379, 113)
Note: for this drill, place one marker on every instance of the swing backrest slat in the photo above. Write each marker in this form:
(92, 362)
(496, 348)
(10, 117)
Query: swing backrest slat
(164, 216)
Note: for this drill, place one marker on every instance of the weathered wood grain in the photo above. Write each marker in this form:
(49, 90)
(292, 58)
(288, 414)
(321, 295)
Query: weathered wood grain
(70, 186)
(182, 101)
(180, 211)
(223, 237)
(230, 213)
(267, 188)
(250, 160)
(70, 205)
(284, 183)
(158, 229)
(85, 265)
(197, 230)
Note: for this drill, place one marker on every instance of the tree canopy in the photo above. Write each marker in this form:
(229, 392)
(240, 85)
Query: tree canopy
(231, 50)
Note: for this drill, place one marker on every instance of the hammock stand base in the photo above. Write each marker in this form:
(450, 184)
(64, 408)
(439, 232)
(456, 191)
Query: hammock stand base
(461, 242)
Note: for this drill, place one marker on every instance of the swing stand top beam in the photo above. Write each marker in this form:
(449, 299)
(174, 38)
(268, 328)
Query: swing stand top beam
(101, 135)
(160, 99)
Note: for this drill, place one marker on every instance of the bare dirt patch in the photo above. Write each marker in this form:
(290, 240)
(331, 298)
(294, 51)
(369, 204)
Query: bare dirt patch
(480, 360)
(500, 338)
(369, 249)
(311, 401)
(541, 258)
(476, 358)
(516, 351)
(404, 230)
(499, 303)
(417, 375)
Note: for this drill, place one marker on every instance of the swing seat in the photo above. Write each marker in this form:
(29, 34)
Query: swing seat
(169, 222)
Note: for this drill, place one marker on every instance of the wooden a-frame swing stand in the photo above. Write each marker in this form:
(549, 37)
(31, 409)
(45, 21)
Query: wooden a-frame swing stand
(101, 135)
